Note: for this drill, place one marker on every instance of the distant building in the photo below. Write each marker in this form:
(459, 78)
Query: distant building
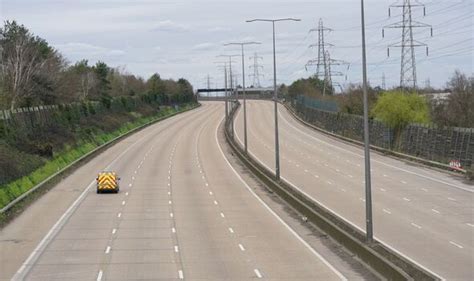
(437, 98)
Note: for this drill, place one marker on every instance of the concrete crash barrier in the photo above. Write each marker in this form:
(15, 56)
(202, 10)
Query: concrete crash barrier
(376, 256)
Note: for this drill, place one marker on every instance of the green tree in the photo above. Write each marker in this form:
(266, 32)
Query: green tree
(101, 71)
(311, 87)
(156, 87)
(397, 110)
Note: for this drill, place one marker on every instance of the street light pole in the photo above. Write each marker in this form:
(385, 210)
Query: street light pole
(230, 80)
(226, 99)
(275, 93)
(368, 191)
(243, 87)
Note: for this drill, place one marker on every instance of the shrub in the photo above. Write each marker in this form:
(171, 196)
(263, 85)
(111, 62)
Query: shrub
(397, 109)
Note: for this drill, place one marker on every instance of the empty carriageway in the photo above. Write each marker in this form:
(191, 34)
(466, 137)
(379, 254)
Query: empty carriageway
(425, 215)
(183, 212)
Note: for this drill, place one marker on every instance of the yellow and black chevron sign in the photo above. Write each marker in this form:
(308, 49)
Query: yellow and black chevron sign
(107, 181)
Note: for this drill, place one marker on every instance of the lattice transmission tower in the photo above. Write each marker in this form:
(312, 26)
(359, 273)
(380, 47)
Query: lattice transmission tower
(324, 62)
(320, 61)
(408, 43)
(256, 70)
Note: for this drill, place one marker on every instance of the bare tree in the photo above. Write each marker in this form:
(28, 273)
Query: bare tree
(24, 56)
(86, 78)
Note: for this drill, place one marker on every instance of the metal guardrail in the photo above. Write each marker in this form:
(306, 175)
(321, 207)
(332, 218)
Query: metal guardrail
(82, 158)
(380, 258)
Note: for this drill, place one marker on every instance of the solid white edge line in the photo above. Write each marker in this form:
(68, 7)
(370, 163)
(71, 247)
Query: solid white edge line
(340, 216)
(374, 160)
(313, 251)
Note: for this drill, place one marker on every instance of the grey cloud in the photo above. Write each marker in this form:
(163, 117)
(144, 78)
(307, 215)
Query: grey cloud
(204, 46)
(170, 26)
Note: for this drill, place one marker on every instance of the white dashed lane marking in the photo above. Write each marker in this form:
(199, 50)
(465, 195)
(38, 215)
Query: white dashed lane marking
(435, 211)
(257, 272)
(99, 275)
(387, 211)
(107, 250)
(415, 225)
(456, 244)
(231, 230)
(241, 247)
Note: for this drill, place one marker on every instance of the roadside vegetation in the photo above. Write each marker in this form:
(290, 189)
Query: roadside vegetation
(456, 111)
(92, 103)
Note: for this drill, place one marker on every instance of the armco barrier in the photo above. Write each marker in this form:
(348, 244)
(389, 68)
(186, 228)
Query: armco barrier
(377, 256)
(76, 163)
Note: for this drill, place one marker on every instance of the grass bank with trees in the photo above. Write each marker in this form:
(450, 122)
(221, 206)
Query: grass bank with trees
(92, 105)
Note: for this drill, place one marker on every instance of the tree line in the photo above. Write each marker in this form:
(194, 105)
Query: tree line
(398, 107)
(35, 73)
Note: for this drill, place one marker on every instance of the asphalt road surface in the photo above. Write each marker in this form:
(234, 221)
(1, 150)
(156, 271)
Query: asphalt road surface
(424, 214)
(182, 213)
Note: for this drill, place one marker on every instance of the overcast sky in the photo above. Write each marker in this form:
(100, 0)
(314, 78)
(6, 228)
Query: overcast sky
(181, 38)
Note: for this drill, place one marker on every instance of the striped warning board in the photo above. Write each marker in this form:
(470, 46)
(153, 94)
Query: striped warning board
(107, 181)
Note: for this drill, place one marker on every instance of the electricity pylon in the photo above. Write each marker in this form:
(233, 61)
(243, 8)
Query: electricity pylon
(256, 70)
(321, 59)
(408, 63)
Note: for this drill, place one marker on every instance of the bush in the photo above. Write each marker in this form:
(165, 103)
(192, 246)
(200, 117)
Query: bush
(397, 109)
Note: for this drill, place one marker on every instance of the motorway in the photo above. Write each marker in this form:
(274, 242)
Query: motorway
(183, 212)
(425, 215)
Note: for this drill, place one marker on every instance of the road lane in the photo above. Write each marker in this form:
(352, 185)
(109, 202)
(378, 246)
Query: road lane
(416, 210)
(182, 213)
(20, 237)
